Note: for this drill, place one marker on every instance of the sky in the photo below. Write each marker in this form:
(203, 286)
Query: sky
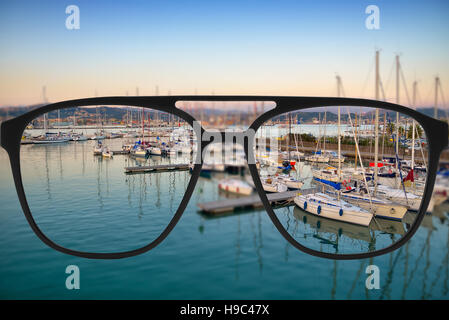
(219, 47)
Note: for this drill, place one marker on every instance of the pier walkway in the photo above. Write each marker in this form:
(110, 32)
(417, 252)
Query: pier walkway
(157, 168)
(251, 202)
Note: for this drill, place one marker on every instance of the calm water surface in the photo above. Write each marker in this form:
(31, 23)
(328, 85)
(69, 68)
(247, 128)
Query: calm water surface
(239, 256)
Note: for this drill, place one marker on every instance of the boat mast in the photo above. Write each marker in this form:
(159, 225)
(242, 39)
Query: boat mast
(383, 134)
(97, 133)
(156, 93)
(355, 137)
(324, 136)
(437, 83)
(376, 126)
(289, 134)
(413, 126)
(44, 96)
(142, 117)
(398, 66)
(59, 118)
(172, 117)
(127, 114)
(339, 133)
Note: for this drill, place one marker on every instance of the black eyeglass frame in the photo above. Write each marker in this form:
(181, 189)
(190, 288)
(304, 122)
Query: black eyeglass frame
(436, 131)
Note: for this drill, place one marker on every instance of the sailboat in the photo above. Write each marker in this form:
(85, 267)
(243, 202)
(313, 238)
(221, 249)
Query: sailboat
(335, 158)
(50, 137)
(139, 151)
(317, 157)
(328, 207)
(287, 155)
(333, 207)
(396, 195)
(407, 199)
(98, 148)
(155, 151)
(320, 156)
(99, 134)
(379, 207)
(79, 137)
(330, 175)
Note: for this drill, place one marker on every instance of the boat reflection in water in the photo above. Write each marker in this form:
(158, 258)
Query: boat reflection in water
(333, 236)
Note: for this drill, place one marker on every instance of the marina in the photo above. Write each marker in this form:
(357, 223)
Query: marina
(243, 238)
(332, 189)
(106, 171)
(341, 164)
(339, 179)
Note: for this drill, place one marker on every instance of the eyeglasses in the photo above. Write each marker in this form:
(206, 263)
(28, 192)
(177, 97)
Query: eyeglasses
(110, 177)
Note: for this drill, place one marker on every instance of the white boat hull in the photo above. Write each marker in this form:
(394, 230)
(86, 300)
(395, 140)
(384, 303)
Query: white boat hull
(50, 141)
(317, 159)
(139, 154)
(238, 187)
(274, 187)
(377, 207)
(155, 152)
(333, 212)
(294, 184)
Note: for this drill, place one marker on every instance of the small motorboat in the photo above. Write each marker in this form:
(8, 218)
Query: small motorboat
(235, 186)
(269, 184)
(139, 152)
(272, 185)
(290, 182)
(155, 151)
(106, 153)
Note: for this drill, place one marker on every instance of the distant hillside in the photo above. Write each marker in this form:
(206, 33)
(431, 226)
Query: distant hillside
(119, 113)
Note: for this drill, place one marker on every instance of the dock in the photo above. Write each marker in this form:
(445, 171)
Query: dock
(157, 168)
(252, 202)
(120, 152)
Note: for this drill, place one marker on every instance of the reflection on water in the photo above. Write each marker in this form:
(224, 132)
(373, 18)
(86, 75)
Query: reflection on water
(330, 236)
(90, 204)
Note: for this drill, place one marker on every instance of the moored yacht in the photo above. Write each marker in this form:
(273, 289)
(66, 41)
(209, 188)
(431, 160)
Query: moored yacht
(329, 207)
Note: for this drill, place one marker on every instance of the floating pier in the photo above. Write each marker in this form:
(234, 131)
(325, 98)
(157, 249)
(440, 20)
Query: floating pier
(252, 202)
(157, 168)
(120, 152)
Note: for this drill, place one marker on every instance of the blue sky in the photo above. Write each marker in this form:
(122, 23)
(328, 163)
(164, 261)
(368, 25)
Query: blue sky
(225, 47)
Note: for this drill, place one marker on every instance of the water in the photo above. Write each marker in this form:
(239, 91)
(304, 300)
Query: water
(239, 256)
